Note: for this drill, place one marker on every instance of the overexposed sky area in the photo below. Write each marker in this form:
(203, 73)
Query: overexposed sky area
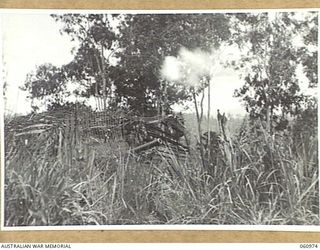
(32, 39)
(29, 40)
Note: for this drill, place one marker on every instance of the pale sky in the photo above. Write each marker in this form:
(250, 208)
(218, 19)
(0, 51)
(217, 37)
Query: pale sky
(29, 40)
(33, 39)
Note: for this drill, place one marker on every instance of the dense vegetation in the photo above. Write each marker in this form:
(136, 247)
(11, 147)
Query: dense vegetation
(262, 170)
(275, 182)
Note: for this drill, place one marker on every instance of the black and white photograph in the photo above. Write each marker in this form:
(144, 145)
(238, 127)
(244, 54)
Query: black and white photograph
(159, 118)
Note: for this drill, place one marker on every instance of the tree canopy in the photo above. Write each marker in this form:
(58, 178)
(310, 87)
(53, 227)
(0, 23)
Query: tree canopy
(271, 87)
(119, 58)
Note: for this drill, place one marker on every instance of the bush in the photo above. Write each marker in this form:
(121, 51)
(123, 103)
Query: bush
(274, 181)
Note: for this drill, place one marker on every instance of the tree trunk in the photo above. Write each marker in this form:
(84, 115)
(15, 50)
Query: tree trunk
(104, 80)
(268, 119)
(199, 129)
(209, 109)
(101, 66)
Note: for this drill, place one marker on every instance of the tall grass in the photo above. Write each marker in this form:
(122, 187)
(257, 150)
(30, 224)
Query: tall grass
(275, 181)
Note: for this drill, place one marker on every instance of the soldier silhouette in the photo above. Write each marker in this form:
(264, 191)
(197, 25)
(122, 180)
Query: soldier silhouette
(219, 117)
(222, 121)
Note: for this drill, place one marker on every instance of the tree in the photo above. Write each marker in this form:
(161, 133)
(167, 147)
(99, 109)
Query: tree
(271, 89)
(88, 72)
(96, 34)
(119, 57)
(309, 52)
(147, 39)
(47, 84)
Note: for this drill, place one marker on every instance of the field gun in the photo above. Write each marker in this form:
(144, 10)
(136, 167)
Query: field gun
(147, 132)
(74, 127)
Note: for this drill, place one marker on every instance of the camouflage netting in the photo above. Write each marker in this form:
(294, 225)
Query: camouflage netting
(51, 129)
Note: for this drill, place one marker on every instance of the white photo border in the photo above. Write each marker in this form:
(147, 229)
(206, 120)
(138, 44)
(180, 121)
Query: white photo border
(288, 228)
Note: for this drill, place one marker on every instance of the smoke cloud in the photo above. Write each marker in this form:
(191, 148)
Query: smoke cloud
(171, 69)
(188, 67)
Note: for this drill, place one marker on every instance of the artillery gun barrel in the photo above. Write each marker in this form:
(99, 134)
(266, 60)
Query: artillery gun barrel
(147, 145)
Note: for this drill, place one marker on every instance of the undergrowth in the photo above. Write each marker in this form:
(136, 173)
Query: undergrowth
(275, 182)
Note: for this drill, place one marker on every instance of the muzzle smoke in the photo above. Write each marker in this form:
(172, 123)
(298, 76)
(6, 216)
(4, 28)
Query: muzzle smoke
(189, 67)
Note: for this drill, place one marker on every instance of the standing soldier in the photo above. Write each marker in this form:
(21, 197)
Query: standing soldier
(219, 116)
(223, 125)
